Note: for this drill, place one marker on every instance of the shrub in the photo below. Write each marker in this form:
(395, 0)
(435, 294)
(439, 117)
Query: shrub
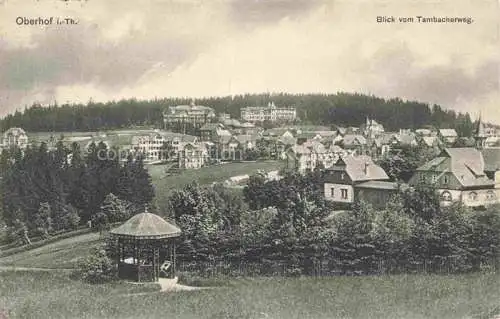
(98, 267)
(71, 219)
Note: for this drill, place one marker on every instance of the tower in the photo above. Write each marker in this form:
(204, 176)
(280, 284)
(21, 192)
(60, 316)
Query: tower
(480, 134)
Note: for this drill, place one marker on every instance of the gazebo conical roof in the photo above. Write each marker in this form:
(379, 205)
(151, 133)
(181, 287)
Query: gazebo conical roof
(146, 226)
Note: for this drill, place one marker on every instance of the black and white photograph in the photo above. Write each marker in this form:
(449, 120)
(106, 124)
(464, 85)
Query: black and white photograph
(250, 159)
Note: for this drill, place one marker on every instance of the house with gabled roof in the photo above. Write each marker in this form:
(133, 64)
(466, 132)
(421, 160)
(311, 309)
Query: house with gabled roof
(318, 149)
(15, 137)
(208, 131)
(192, 155)
(492, 164)
(380, 145)
(448, 136)
(425, 132)
(300, 158)
(492, 141)
(429, 141)
(305, 136)
(349, 173)
(355, 143)
(246, 141)
(372, 128)
(459, 176)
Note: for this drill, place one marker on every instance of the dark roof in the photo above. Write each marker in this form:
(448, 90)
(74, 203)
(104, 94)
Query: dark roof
(146, 226)
(351, 139)
(307, 135)
(467, 164)
(491, 159)
(360, 168)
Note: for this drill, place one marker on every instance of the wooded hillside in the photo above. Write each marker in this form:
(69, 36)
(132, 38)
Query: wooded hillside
(344, 109)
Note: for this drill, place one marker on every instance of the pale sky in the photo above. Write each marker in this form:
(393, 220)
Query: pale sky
(167, 48)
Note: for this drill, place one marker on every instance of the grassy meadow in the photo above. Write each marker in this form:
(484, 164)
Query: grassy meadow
(62, 254)
(54, 295)
(165, 185)
(36, 294)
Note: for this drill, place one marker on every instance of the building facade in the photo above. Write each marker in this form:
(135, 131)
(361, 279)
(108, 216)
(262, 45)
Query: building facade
(192, 155)
(270, 113)
(15, 137)
(346, 174)
(187, 118)
(459, 175)
(159, 146)
(372, 128)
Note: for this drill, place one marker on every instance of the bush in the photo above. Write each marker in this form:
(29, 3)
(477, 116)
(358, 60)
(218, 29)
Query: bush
(71, 219)
(98, 268)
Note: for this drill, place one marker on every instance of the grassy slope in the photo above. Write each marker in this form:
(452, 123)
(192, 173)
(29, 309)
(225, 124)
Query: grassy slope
(44, 295)
(61, 254)
(165, 185)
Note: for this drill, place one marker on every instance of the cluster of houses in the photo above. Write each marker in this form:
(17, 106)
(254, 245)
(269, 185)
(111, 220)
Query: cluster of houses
(463, 169)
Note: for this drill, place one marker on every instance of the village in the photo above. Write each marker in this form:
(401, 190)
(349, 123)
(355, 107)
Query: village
(463, 169)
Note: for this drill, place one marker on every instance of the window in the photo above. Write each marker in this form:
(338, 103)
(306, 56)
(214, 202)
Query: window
(343, 193)
(342, 176)
(446, 179)
(446, 196)
(490, 195)
(472, 196)
(434, 178)
(422, 177)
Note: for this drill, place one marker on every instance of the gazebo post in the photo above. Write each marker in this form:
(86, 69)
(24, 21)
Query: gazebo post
(173, 261)
(136, 260)
(118, 255)
(171, 253)
(156, 261)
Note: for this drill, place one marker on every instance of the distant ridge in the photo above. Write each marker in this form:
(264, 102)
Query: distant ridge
(345, 109)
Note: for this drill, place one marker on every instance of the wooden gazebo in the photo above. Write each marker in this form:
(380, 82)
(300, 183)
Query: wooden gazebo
(146, 248)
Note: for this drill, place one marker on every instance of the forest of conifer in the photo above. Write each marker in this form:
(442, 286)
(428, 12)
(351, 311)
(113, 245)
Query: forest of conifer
(344, 109)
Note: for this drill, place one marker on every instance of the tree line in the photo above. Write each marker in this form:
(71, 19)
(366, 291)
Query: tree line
(344, 109)
(46, 191)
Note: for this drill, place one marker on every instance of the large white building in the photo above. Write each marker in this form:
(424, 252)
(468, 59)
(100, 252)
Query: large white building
(186, 118)
(15, 137)
(192, 155)
(160, 145)
(270, 113)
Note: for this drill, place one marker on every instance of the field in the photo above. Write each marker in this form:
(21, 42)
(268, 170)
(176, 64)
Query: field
(35, 294)
(120, 138)
(61, 254)
(52, 295)
(165, 185)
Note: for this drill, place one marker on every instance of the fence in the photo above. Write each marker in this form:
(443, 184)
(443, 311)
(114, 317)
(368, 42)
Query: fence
(234, 268)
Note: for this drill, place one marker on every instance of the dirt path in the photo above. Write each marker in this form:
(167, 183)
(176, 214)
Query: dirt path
(15, 268)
